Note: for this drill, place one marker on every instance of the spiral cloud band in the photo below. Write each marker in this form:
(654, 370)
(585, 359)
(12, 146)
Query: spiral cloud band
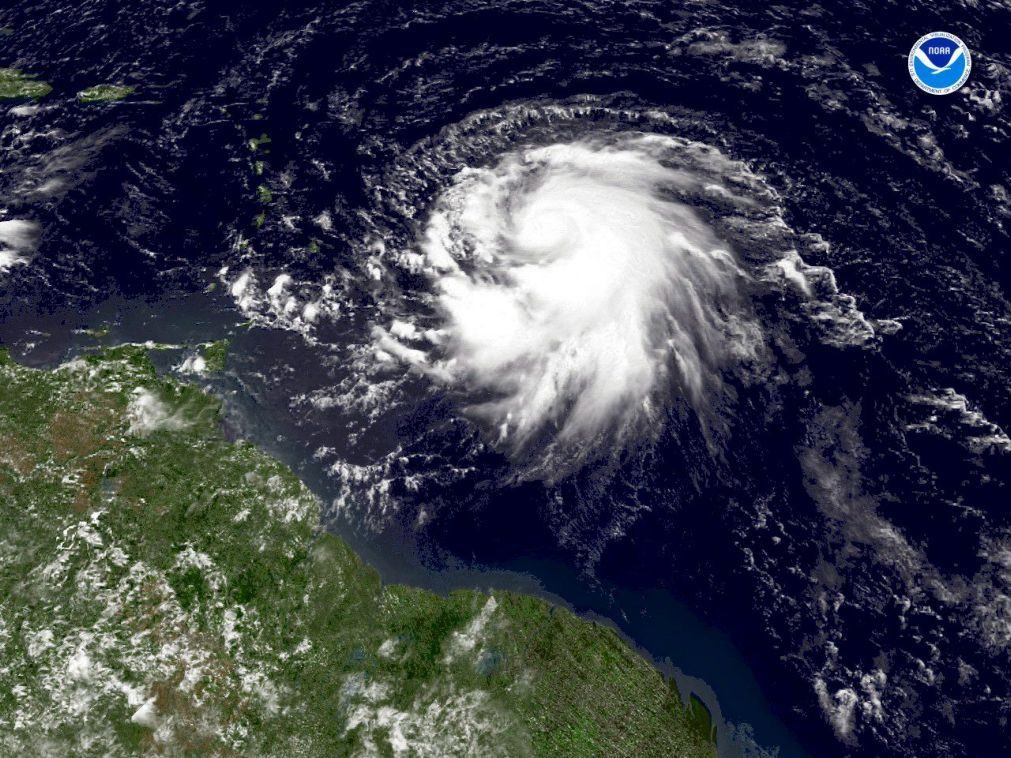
(575, 286)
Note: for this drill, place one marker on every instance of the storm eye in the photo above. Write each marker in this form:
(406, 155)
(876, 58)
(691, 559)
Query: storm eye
(579, 293)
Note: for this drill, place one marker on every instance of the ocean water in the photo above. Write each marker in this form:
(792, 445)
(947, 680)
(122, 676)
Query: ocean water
(693, 317)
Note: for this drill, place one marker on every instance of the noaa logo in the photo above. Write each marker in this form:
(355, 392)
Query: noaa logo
(939, 63)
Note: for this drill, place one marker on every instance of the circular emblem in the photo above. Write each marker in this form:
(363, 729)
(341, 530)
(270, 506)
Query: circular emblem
(939, 63)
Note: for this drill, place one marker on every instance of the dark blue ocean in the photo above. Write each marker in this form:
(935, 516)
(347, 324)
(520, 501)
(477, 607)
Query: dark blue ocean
(829, 565)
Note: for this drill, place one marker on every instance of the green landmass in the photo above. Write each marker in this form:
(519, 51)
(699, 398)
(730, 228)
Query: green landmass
(104, 93)
(214, 354)
(263, 192)
(164, 591)
(255, 143)
(701, 717)
(16, 85)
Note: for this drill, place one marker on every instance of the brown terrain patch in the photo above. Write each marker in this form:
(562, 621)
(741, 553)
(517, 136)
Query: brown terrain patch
(15, 456)
(85, 436)
(81, 432)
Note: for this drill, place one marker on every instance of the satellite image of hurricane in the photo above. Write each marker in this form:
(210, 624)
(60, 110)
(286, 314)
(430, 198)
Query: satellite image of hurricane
(636, 348)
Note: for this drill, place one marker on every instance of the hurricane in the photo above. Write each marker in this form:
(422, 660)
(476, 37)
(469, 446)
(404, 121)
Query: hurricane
(700, 302)
(576, 286)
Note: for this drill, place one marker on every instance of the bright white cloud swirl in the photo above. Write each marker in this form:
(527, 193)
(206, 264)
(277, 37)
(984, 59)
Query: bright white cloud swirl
(576, 286)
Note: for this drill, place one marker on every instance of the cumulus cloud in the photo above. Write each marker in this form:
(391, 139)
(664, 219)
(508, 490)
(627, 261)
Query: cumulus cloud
(148, 414)
(17, 242)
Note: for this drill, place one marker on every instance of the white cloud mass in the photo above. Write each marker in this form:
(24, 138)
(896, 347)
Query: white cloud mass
(573, 284)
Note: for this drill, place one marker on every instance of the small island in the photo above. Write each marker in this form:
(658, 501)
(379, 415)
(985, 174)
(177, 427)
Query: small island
(16, 85)
(103, 93)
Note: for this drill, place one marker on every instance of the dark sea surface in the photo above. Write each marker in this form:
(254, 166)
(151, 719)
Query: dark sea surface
(822, 551)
